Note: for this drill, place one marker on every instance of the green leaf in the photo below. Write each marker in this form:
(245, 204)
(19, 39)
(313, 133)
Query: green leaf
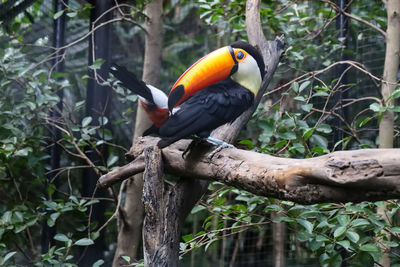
(197, 208)
(126, 258)
(94, 235)
(182, 246)
(319, 140)
(248, 143)
(395, 230)
(339, 231)
(295, 86)
(360, 222)
(308, 133)
(58, 14)
(364, 121)
(369, 247)
(300, 98)
(353, 236)
(188, 237)
(394, 108)
(8, 256)
(344, 243)
(343, 219)
(61, 237)
(320, 94)
(284, 219)
(209, 244)
(23, 152)
(375, 107)
(324, 128)
(98, 263)
(288, 135)
(307, 107)
(86, 121)
(72, 14)
(103, 120)
(111, 160)
(336, 260)
(392, 244)
(54, 216)
(97, 64)
(394, 94)
(304, 85)
(131, 98)
(306, 224)
(280, 144)
(84, 242)
(315, 245)
(321, 238)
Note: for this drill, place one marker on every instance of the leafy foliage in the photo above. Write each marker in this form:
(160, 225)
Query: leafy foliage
(300, 122)
(296, 119)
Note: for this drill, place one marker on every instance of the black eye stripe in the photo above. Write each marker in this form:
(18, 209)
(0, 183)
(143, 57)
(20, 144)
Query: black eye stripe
(232, 54)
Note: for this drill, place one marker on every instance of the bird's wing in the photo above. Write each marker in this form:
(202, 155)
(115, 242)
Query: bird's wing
(207, 109)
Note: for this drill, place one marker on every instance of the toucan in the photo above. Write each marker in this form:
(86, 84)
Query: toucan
(215, 90)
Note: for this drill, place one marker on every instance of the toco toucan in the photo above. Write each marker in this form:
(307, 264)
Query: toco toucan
(214, 91)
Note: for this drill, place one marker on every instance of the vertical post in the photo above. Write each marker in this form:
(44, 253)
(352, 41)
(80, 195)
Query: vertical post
(97, 100)
(54, 150)
(342, 25)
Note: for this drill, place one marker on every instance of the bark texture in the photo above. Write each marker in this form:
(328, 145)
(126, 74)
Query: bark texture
(161, 223)
(391, 67)
(357, 175)
(390, 71)
(278, 239)
(130, 224)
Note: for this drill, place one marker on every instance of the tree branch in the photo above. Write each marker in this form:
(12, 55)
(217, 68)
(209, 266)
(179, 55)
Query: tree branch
(357, 175)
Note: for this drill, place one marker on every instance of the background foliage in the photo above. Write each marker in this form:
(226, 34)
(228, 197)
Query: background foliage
(297, 118)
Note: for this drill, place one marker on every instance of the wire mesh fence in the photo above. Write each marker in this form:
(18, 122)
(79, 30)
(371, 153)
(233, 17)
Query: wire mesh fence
(255, 246)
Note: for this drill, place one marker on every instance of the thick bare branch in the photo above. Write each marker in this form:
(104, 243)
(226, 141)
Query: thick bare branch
(358, 175)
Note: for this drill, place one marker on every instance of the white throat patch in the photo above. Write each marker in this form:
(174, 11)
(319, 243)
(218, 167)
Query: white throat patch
(248, 74)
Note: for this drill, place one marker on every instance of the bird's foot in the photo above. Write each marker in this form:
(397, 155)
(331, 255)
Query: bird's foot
(220, 145)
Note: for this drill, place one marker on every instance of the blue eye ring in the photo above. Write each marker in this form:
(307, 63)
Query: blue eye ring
(240, 55)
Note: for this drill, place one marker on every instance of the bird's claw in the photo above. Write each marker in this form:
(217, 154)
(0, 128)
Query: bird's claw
(220, 145)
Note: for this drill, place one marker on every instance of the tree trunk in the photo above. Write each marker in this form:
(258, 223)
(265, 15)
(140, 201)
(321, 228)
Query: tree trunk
(390, 71)
(161, 224)
(278, 241)
(130, 224)
(97, 99)
(386, 126)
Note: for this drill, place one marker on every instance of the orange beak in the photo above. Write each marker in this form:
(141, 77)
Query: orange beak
(210, 69)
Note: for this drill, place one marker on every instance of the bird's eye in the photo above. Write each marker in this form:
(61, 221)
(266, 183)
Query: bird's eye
(240, 55)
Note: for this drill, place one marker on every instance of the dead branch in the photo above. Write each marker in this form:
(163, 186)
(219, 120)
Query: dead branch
(357, 175)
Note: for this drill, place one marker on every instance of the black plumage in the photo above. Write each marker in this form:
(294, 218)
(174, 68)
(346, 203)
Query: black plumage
(131, 82)
(206, 110)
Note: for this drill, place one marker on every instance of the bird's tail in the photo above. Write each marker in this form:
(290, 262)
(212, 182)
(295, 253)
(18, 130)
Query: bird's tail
(131, 82)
